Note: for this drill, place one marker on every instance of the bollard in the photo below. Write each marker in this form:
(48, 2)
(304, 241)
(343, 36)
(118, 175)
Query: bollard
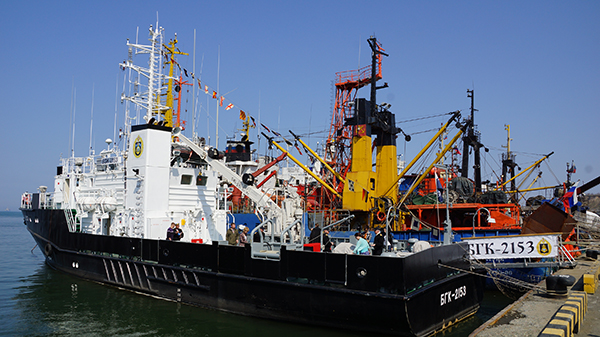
(557, 284)
(592, 254)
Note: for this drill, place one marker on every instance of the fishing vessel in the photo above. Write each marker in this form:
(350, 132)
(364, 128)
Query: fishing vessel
(108, 218)
(441, 204)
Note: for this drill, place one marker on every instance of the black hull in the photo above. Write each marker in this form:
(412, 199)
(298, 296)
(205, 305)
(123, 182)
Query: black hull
(405, 296)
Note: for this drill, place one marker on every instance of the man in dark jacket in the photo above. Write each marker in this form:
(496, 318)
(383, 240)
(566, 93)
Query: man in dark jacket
(178, 235)
(378, 242)
(326, 241)
(315, 234)
(171, 232)
(259, 235)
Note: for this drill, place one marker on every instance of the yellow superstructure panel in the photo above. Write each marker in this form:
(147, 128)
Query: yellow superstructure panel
(387, 172)
(360, 181)
(361, 154)
(358, 190)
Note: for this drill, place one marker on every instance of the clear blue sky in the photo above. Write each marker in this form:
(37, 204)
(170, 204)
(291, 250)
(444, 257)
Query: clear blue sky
(534, 65)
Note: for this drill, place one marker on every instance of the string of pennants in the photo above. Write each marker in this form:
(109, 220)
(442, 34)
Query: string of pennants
(243, 115)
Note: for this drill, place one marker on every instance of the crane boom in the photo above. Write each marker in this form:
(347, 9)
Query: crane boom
(531, 166)
(318, 157)
(455, 115)
(260, 198)
(306, 169)
(437, 159)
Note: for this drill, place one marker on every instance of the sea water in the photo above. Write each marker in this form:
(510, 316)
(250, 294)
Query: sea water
(36, 300)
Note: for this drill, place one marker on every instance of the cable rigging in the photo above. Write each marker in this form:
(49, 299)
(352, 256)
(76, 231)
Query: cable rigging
(425, 117)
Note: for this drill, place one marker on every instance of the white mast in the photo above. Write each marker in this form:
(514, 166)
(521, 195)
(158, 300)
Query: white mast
(74, 109)
(126, 76)
(92, 122)
(150, 99)
(152, 65)
(116, 107)
(72, 113)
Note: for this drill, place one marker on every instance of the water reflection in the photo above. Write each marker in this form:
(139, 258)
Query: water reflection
(55, 304)
(493, 302)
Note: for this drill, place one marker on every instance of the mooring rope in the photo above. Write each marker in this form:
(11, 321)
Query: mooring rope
(494, 275)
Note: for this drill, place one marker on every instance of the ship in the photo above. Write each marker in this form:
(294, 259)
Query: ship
(410, 207)
(108, 219)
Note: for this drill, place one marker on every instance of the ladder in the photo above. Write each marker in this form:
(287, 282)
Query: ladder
(70, 220)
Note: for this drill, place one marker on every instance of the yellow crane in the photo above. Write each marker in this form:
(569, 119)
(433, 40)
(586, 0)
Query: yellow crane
(306, 169)
(437, 159)
(527, 169)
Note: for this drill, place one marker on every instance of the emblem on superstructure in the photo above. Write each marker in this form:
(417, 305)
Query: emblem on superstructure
(543, 247)
(138, 147)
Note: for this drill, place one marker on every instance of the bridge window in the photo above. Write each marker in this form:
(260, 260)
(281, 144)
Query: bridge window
(186, 179)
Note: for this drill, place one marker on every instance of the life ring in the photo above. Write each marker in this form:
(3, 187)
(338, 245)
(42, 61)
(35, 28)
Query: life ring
(380, 216)
(48, 249)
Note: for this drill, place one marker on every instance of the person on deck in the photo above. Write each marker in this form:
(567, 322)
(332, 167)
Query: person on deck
(232, 235)
(171, 232)
(378, 242)
(390, 239)
(362, 246)
(315, 234)
(326, 241)
(243, 238)
(178, 235)
(259, 235)
(367, 235)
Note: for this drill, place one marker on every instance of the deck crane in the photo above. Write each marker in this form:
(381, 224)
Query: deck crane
(462, 129)
(316, 156)
(525, 170)
(250, 178)
(281, 217)
(306, 169)
(455, 117)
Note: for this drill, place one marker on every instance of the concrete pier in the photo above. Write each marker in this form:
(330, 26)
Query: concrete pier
(535, 311)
